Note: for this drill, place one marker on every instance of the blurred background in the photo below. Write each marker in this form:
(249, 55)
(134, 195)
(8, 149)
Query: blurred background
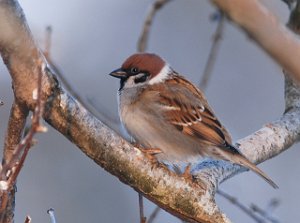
(90, 39)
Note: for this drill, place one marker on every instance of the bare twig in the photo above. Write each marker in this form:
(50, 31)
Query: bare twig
(154, 214)
(143, 39)
(28, 219)
(48, 38)
(141, 208)
(14, 133)
(274, 203)
(14, 158)
(36, 127)
(290, 3)
(243, 207)
(264, 213)
(216, 42)
(52, 215)
(16, 124)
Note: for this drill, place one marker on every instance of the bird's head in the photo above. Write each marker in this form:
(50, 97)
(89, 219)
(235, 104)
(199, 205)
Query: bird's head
(142, 69)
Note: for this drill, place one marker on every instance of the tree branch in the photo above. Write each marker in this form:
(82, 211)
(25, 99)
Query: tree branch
(143, 39)
(241, 206)
(14, 133)
(153, 215)
(259, 23)
(52, 215)
(216, 42)
(16, 124)
(28, 219)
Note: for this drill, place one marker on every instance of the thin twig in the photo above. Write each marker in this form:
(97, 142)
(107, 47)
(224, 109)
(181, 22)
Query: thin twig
(13, 166)
(35, 127)
(13, 178)
(141, 207)
(48, 41)
(290, 3)
(243, 207)
(4, 201)
(154, 214)
(28, 219)
(274, 203)
(143, 39)
(14, 133)
(52, 215)
(217, 37)
(263, 213)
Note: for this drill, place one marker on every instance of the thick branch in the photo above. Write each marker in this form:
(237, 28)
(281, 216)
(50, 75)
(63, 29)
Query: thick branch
(261, 25)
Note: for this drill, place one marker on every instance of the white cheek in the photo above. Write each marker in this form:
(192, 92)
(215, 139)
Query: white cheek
(129, 82)
(162, 75)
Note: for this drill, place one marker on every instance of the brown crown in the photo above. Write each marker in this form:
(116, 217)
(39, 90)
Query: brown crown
(147, 62)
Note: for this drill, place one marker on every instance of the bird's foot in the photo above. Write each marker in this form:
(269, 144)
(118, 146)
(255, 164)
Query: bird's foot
(150, 154)
(151, 151)
(187, 173)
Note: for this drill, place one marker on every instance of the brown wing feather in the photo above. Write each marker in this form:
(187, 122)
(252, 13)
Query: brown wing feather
(188, 110)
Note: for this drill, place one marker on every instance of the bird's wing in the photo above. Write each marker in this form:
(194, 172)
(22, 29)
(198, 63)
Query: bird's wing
(185, 107)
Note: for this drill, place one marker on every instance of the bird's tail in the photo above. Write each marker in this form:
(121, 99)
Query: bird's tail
(243, 161)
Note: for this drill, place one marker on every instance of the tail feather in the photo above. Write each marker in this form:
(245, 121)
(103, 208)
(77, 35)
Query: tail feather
(232, 154)
(243, 161)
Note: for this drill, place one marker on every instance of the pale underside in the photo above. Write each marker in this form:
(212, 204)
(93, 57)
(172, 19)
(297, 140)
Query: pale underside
(153, 121)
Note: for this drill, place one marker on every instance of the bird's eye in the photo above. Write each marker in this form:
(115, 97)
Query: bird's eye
(134, 70)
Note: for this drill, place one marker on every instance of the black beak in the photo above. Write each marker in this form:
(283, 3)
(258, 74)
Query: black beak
(119, 73)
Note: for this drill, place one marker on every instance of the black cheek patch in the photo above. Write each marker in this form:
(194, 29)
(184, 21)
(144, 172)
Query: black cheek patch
(141, 79)
(122, 83)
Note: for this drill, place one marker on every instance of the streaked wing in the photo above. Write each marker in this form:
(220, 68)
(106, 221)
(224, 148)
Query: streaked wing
(186, 108)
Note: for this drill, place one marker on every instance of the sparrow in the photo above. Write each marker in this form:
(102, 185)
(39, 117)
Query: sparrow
(162, 110)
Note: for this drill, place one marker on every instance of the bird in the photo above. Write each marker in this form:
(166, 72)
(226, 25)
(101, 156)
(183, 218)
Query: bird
(162, 110)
